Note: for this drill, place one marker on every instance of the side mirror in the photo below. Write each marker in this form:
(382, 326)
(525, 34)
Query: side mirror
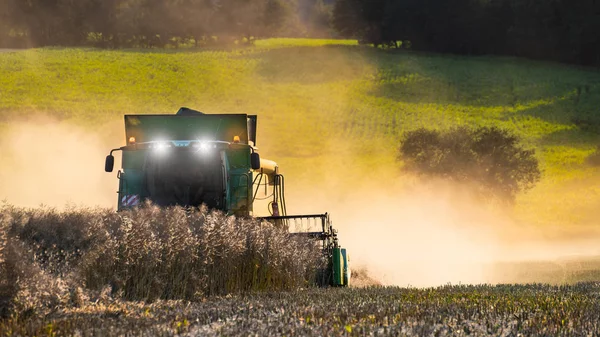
(110, 163)
(255, 161)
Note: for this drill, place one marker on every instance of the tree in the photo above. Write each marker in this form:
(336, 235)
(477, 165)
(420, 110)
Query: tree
(276, 13)
(347, 18)
(6, 11)
(317, 18)
(104, 22)
(488, 157)
(196, 18)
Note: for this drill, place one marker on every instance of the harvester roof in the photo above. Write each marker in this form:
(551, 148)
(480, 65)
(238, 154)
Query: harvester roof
(189, 124)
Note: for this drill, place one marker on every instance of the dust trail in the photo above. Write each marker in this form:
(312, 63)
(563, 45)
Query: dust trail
(417, 240)
(411, 233)
(411, 237)
(48, 162)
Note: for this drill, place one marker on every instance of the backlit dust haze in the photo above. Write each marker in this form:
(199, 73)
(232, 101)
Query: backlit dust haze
(413, 233)
(403, 232)
(55, 164)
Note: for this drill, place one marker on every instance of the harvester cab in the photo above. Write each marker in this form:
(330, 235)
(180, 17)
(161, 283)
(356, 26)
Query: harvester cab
(191, 159)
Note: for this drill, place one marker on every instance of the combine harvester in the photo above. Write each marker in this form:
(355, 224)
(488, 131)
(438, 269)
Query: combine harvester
(191, 158)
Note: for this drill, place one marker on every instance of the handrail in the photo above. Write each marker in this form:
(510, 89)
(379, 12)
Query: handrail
(284, 217)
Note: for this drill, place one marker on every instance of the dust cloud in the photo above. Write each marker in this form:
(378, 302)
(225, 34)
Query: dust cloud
(408, 232)
(43, 161)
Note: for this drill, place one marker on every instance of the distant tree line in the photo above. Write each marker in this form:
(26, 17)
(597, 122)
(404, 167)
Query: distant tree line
(558, 30)
(156, 23)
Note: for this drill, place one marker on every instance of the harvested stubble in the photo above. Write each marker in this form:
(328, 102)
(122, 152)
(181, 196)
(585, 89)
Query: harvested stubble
(506, 310)
(56, 259)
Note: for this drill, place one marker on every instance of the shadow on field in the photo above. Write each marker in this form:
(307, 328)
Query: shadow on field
(574, 137)
(496, 88)
(581, 128)
(552, 92)
(455, 81)
(574, 106)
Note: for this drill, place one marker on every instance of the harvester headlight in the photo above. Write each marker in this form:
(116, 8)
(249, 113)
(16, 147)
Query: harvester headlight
(204, 147)
(236, 139)
(131, 140)
(160, 147)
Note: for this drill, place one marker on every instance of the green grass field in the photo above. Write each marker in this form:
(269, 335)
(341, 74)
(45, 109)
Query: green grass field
(327, 105)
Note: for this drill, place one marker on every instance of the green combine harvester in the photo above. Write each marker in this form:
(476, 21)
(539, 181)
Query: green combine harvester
(191, 159)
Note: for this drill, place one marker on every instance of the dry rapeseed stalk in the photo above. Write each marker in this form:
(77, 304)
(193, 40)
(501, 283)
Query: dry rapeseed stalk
(148, 253)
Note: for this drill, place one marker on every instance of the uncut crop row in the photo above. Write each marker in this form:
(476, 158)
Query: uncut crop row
(51, 259)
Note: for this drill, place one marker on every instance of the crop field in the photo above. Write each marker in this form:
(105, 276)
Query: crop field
(168, 272)
(532, 310)
(331, 113)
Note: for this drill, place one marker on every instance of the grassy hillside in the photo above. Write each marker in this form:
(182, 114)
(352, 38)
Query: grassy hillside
(328, 106)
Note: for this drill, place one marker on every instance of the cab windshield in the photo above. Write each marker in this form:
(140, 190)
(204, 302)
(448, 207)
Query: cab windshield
(184, 177)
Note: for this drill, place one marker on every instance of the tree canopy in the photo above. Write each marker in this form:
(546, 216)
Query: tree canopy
(489, 158)
(557, 30)
(152, 23)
